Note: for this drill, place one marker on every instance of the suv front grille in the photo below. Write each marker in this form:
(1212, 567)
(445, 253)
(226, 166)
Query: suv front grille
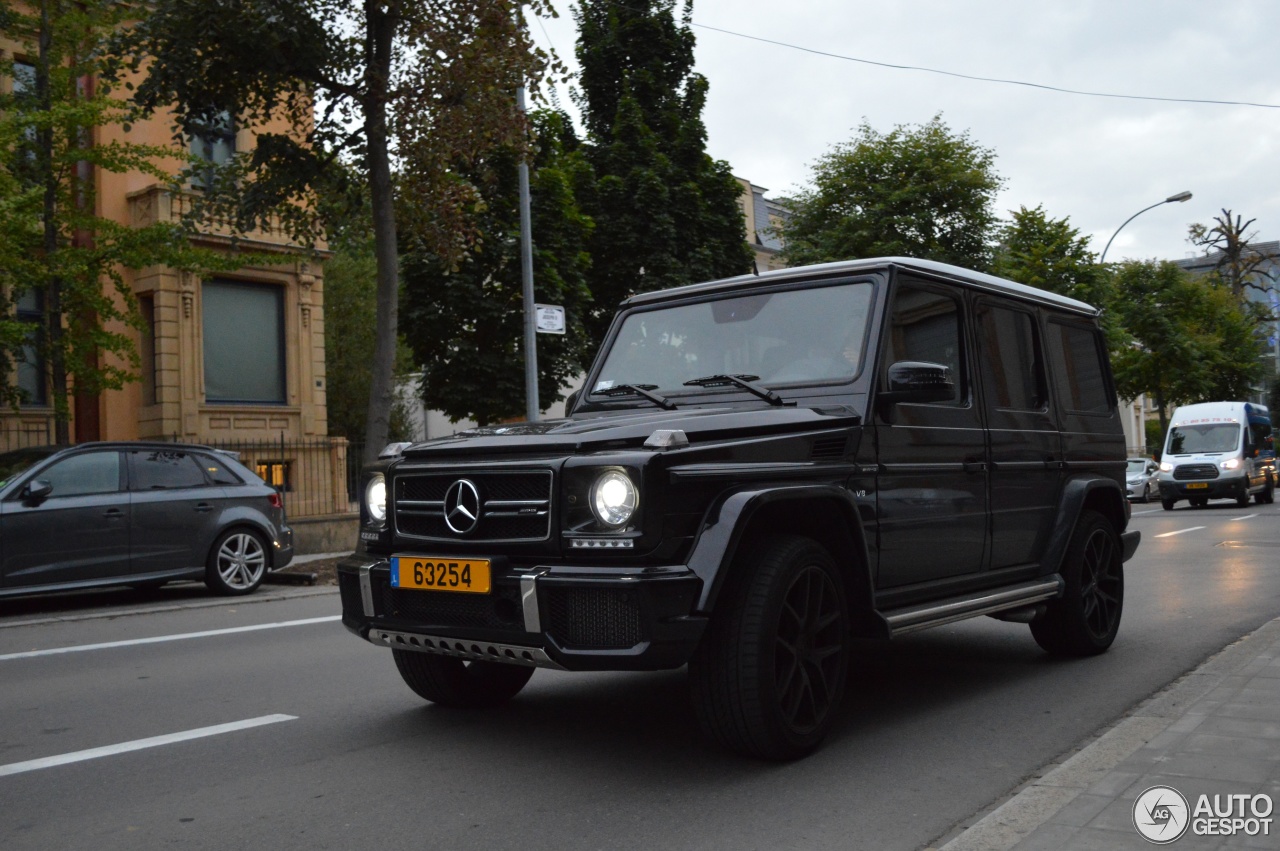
(593, 617)
(1195, 471)
(513, 505)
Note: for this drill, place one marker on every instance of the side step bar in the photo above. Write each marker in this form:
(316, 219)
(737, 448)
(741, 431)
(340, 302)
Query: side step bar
(912, 618)
(472, 651)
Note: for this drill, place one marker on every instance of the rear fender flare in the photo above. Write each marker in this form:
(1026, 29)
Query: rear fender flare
(1080, 492)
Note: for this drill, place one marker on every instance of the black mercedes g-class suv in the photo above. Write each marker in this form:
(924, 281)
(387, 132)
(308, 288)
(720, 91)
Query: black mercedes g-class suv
(757, 470)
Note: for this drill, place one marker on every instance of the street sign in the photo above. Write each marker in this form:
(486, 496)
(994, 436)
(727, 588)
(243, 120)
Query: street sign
(550, 318)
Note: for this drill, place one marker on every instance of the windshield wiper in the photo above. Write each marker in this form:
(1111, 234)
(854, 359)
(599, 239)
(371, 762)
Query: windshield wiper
(640, 390)
(743, 381)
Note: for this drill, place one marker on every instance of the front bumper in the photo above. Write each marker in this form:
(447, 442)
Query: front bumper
(572, 617)
(1221, 488)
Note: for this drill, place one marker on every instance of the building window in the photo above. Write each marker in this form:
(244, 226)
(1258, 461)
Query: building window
(243, 343)
(32, 380)
(213, 142)
(275, 473)
(24, 91)
(147, 348)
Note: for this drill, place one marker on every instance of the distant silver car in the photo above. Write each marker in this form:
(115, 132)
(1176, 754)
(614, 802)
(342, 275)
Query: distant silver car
(1142, 479)
(136, 513)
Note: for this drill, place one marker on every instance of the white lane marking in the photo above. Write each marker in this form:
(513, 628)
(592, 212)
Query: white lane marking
(1148, 511)
(1246, 517)
(140, 744)
(161, 638)
(1179, 532)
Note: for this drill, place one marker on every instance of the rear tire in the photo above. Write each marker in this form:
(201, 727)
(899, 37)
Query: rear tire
(458, 684)
(768, 677)
(1085, 619)
(237, 563)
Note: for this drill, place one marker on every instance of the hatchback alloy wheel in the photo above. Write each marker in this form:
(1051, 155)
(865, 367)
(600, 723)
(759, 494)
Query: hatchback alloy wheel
(241, 561)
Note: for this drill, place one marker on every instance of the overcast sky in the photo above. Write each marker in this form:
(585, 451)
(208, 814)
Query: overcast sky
(1097, 160)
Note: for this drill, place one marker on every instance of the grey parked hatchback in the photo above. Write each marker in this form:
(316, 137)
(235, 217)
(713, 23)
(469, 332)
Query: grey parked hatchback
(136, 513)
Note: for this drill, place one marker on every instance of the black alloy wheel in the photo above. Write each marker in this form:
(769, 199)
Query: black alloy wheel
(769, 676)
(1085, 619)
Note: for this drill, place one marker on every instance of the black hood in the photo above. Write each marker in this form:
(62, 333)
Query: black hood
(623, 430)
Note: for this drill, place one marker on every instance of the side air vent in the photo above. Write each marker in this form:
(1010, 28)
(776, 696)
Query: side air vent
(829, 447)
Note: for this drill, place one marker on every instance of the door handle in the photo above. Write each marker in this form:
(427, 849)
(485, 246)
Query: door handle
(203, 507)
(974, 466)
(113, 513)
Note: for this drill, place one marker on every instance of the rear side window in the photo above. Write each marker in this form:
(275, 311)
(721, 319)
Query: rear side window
(217, 471)
(1011, 369)
(155, 469)
(1077, 355)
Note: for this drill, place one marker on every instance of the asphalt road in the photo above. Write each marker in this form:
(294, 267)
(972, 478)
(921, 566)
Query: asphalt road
(301, 736)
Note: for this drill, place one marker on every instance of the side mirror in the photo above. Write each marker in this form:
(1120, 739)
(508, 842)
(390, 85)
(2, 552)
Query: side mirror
(570, 401)
(918, 382)
(38, 490)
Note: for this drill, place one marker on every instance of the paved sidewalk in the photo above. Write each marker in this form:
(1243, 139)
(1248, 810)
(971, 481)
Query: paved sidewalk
(1214, 732)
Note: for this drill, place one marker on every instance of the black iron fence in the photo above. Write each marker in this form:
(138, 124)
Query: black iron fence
(315, 476)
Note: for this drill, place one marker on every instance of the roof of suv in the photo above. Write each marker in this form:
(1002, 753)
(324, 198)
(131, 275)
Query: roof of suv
(978, 280)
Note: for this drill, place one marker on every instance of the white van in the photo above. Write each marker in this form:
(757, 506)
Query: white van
(1214, 451)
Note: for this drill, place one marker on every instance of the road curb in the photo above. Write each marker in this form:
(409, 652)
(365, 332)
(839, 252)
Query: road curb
(1060, 783)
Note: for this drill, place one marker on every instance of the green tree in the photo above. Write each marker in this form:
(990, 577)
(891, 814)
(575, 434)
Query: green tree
(1182, 342)
(666, 213)
(472, 315)
(431, 80)
(54, 250)
(921, 191)
(1049, 254)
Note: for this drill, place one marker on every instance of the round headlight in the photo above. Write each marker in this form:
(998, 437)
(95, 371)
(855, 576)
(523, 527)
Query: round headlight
(614, 498)
(375, 498)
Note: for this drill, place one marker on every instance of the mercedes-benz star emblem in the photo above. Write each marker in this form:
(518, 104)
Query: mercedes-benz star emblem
(462, 506)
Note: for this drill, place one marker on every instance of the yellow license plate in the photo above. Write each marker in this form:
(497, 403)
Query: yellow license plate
(438, 573)
(1197, 485)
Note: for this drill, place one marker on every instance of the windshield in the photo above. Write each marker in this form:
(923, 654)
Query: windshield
(1137, 465)
(17, 462)
(793, 337)
(1207, 437)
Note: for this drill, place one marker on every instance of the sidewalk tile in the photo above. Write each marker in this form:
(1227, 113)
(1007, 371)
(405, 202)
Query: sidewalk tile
(1266, 711)
(1047, 837)
(1232, 746)
(1241, 727)
(1211, 766)
(1082, 810)
(1089, 839)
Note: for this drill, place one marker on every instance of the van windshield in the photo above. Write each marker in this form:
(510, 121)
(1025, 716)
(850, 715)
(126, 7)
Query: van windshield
(1206, 437)
(793, 336)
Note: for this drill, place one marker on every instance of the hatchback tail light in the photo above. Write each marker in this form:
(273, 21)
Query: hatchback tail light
(275, 500)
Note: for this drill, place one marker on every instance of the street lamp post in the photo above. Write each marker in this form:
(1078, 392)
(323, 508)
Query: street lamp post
(1181, 196)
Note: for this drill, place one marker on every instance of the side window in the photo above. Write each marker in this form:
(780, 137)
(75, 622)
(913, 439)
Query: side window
(925, 326)
(1012, 371)
(152, 469)
(82, 475)
(217, 471)
(1076, 354)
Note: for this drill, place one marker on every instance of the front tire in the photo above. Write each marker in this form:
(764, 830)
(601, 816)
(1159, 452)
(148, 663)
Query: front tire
(1168, 504)
(1146, 493)
(1085, 619)
(458, 684)
(237, 563)
(769, 675)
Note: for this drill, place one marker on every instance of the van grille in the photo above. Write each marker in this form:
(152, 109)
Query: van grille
(1195, 471)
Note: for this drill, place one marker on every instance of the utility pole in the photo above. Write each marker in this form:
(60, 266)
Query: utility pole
(526, 269)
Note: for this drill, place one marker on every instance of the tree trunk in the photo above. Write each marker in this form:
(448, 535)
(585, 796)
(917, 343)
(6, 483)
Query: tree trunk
(53, 331)
(381, 31)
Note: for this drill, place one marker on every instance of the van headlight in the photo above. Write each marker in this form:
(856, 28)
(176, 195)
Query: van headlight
(375, 498)
(1166, 467)
(1231, 463)
(614, 498)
